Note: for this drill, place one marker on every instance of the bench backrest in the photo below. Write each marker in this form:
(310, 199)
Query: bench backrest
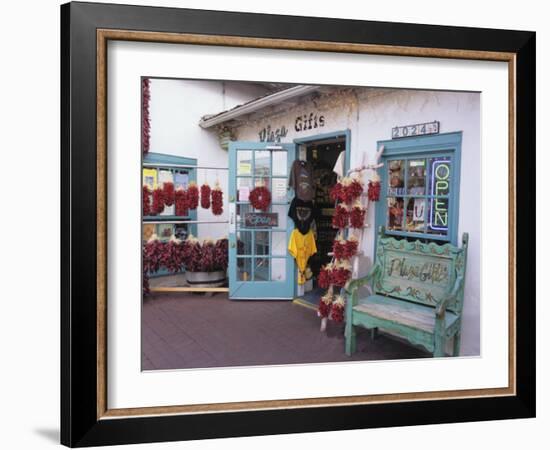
(419, 272)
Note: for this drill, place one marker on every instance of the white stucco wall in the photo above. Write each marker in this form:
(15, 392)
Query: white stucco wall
(370, 116)
(175, 109)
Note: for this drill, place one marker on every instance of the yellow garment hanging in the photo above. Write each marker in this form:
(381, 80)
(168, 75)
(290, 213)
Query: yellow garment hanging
(301, 247)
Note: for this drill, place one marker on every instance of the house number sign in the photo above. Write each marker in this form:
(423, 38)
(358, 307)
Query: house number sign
(418, 129)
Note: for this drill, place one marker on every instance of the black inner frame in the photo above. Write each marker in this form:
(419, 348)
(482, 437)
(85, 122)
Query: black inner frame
(79, 425)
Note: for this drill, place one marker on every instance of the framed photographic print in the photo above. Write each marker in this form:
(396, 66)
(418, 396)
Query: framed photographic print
(279, 224)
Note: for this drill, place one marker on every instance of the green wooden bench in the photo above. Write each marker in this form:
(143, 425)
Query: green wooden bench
(417, 293)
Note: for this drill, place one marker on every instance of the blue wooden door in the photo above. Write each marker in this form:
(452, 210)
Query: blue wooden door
(260, 267)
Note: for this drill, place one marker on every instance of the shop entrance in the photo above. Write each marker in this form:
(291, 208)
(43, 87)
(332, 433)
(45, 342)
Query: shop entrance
(260, 266)
(323, 152)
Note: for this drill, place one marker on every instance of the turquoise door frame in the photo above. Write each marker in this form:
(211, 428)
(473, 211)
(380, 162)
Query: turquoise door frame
(321, 137)
(439, 145)
(255, 273)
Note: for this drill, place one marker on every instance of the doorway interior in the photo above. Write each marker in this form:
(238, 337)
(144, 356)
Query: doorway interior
(322, 152)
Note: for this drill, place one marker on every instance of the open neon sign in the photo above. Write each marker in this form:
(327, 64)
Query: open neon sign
(439, 215)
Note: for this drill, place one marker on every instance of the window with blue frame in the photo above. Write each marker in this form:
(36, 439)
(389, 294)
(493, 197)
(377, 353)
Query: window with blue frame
(420, 187)
(157, 169)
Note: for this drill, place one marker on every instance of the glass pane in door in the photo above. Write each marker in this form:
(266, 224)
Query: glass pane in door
(280, 166)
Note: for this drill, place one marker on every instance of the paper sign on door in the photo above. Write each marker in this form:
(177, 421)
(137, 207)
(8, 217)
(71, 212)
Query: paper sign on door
(244, 192)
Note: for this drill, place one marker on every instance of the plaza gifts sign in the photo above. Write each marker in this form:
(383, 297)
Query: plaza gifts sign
(261, 220)
(267, 134)
(303, 122)
(418, 269)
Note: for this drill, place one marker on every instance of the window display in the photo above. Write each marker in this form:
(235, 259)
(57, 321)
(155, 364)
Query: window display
(418, 195)
(420, 186)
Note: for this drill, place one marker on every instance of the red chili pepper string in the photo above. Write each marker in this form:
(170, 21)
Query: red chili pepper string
(146, 201)
(182, 207)
(352, 191)
(168, 193)
(205, 257)
(351, 248)
(324, 308)
(339, 249)
(152, 255)
(340, 218)
(373, 191)
(205, 196)
(192, 196)
(337, 312)
(145, 119)
(336, 192)
(324, 278)
(357, 217)
(158, 202)
(220, 254)
(344, 249)
(217, 201)
(339, 276)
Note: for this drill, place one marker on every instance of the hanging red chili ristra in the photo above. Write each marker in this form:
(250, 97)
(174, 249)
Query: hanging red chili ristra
(339, 276)
(325, 305)
(374, 191)
(182, 208)
(145, 119)
(152, 255)
(324, 276)
(336, 192)
(343, 249)
(351, 247)
(352, 191)
(192, 195)
(205, 196)
(357, 216)
(340, 218)
(168, 193)
(217, 200)
(337, 310)
(220, 254)
(158, 202)
(146, 201)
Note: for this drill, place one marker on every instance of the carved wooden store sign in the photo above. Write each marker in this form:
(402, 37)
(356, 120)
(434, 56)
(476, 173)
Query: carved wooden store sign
(416, 277)
(418, 270)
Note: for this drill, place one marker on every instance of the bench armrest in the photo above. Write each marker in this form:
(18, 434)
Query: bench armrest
(356, 284)
(442, 305)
